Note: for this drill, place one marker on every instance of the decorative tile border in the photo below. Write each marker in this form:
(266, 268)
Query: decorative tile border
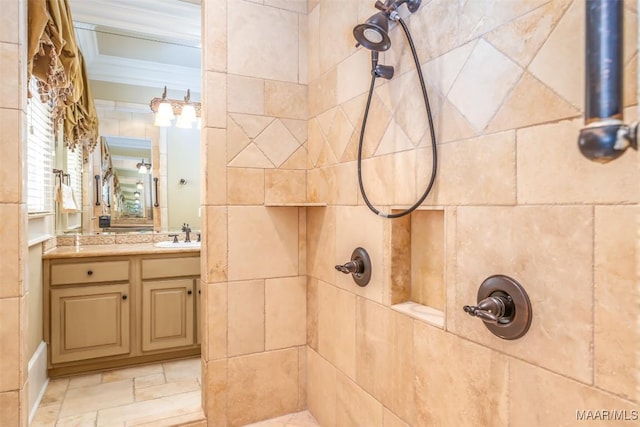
(124, 239)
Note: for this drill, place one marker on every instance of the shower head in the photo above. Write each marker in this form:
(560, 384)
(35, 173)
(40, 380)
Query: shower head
(373, 34)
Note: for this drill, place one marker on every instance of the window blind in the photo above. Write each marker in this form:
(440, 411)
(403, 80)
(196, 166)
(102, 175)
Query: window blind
(40, 152)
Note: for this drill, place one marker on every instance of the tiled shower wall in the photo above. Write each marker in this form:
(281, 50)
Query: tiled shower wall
(284, 96)
(255, 160)
(13, 215)
(506, 82)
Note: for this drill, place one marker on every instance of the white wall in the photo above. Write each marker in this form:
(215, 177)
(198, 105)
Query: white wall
(183, 152)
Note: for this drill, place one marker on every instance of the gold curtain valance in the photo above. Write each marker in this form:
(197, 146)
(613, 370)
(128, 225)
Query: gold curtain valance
(54, 60)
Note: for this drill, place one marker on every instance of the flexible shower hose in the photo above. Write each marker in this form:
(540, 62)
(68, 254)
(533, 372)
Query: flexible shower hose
(431, 129)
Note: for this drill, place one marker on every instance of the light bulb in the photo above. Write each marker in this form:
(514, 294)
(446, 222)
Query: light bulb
(139, 185)
(188, 113)
(143, 168)
(183, 122)
(161, 122)
(165, 111)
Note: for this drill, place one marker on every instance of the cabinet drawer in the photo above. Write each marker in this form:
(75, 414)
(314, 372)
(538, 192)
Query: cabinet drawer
(89, 272)
(170, 267)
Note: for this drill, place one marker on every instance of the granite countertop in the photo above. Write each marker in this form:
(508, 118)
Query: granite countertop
(84, 251)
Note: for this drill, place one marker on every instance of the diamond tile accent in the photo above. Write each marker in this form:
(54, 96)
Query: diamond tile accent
(298, 128)
(325, 120)
(316, 141)
(250, 124)
(521, 38)
(340, 133)
(477, 18)
(277, 143)
(442, 71)
(394, 140)
(564, 50)
(298, 160)
(529, 103)
(483, 84)
(237, 140)
(354, 109)
(251, 157)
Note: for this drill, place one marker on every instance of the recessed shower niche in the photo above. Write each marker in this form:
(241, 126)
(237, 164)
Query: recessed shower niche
(418, 265)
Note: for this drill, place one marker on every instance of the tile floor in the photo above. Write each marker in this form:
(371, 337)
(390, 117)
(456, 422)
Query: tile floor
(163, 394)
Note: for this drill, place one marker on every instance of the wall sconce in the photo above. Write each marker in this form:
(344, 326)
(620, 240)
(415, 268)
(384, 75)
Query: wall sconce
(166, 109)
(143, 167)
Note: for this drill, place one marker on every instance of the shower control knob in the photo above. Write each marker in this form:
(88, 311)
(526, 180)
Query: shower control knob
(504, 307)
(359, 267)
(492, 309)
(351, 267)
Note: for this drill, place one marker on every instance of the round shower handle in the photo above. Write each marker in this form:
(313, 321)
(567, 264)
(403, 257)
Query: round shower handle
(359, 267)
(493, 309)
(504, 307)
(351, 267)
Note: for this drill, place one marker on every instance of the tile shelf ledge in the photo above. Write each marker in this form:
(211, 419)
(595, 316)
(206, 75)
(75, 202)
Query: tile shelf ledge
(421, 312)
(295, 205)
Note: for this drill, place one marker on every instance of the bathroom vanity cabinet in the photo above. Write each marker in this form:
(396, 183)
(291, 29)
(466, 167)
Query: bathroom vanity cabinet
(115, 310)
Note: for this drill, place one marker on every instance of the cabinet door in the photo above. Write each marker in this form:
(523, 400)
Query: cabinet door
(89, 322)
(167, 313)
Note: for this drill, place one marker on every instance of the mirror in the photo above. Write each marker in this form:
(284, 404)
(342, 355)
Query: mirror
(126, 182)
(132, 50)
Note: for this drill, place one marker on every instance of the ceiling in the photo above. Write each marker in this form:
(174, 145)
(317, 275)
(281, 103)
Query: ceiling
(133, 48)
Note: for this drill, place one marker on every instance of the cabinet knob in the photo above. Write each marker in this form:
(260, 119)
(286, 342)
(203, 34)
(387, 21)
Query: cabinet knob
(89, 273)
(189, 292)
(124, 297)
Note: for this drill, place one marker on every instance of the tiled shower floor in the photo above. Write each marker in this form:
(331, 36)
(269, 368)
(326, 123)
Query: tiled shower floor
(163, 394)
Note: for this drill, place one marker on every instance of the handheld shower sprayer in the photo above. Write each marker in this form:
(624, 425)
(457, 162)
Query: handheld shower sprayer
(374, 35)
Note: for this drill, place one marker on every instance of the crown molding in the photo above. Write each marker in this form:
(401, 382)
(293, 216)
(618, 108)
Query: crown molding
(143, 73)
(165, 19)
(132, 71)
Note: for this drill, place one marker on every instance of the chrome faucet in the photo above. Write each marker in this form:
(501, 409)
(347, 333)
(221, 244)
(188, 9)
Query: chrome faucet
(186, 229)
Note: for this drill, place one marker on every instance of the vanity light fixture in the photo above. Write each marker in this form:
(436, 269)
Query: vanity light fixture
(165, 109)
(143, 167)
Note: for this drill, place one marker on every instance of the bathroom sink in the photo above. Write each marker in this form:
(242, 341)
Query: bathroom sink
(170, 244)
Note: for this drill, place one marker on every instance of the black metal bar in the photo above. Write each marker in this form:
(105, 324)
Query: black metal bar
(155, 184)
(605, 136)
(604, 60)
(97, 178)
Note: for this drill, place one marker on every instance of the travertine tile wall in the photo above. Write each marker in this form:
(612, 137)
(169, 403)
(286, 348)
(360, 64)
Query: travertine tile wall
(505, 80)
(254, 154)
(13, 215)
